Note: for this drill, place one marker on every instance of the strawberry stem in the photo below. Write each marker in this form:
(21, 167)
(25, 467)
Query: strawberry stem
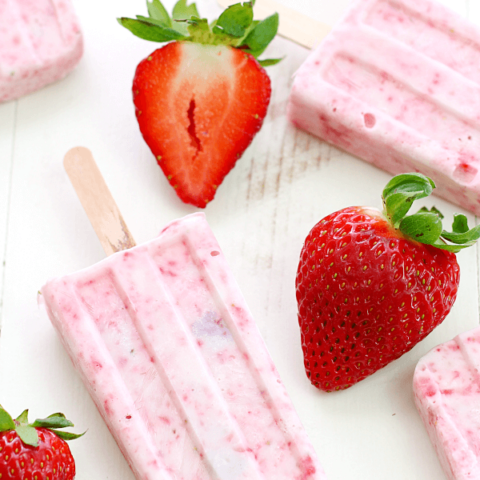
(425, 226)
(235, 27)
(6, 421)
(27, 431)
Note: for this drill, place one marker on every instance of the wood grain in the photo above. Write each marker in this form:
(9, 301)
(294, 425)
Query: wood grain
(97, 201)
(7, 127)
(293, 25)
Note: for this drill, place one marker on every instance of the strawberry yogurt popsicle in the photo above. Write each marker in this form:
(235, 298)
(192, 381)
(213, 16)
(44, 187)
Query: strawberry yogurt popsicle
(40, 43)
(397, 83)
(446, 385)
(169, 352)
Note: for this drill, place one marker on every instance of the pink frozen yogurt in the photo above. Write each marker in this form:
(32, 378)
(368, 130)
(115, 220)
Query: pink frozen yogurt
(168, 350)
(40, 43)
(447, 394)
(397, 83)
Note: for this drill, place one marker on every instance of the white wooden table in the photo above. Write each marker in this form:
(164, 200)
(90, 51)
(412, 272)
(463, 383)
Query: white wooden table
(286, 181)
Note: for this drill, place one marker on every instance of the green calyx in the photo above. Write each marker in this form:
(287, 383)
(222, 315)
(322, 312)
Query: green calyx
(27, 431)
(235, 27)
(425, 226)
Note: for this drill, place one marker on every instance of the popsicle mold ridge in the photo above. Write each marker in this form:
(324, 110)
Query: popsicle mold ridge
(168, 350)
(397, 83)
(40, 43)
(446, 387)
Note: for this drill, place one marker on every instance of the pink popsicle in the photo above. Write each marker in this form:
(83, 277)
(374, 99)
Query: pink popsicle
(168, 350)
(40, 43)
(447, 394)
(397, 83)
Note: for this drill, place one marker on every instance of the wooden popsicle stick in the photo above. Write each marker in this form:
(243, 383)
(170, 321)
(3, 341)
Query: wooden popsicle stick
(293, 25)
(97, 200)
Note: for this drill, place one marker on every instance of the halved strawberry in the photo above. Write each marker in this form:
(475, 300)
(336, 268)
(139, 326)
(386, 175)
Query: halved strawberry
(201, 99)
(211, 103)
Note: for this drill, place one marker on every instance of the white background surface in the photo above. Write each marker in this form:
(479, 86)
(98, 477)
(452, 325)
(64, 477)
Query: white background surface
(286, 181)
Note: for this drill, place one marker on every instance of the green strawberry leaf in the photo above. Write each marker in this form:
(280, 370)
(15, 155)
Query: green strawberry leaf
(28, 435)
(452, 248)
(58, 414)
(398, 204)
(68, 436)
(182, 11)
(258, 39)
(151, 21)
(236, 19)
(6, 421)
(422, 227)
(53, 421)
(460, 223)
(250, 28)
(433, 210)
(157, 11)
(402, 191)
(150, 31)
(465, 237)
(269, 62)
(199, 30)
(221, 38)
(23, 418)
(180, 26)
(247, 32)
(409, 182)
(235, 27)
(426, 225)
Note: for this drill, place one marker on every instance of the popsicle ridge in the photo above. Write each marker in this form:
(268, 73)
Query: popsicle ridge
(237, 330)
(431, 31)
(92, 358)
(174, 332)
(192, 390)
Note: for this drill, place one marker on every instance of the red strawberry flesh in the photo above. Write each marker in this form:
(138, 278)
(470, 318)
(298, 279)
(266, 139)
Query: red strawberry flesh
(198, 108)
(52, 459)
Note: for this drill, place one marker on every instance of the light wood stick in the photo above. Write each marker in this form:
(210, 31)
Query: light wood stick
(97, 200)
(293, 25)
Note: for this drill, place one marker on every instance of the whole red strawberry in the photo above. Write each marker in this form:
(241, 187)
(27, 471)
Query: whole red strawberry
(36, 451)
(201, 99)
(371, 285)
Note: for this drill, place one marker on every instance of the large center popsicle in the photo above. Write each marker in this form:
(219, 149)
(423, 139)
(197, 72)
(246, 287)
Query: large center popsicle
(169, 352)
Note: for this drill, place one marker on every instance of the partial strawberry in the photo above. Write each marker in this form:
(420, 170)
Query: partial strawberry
(201, 99)
(36, 451)
(371, 285)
